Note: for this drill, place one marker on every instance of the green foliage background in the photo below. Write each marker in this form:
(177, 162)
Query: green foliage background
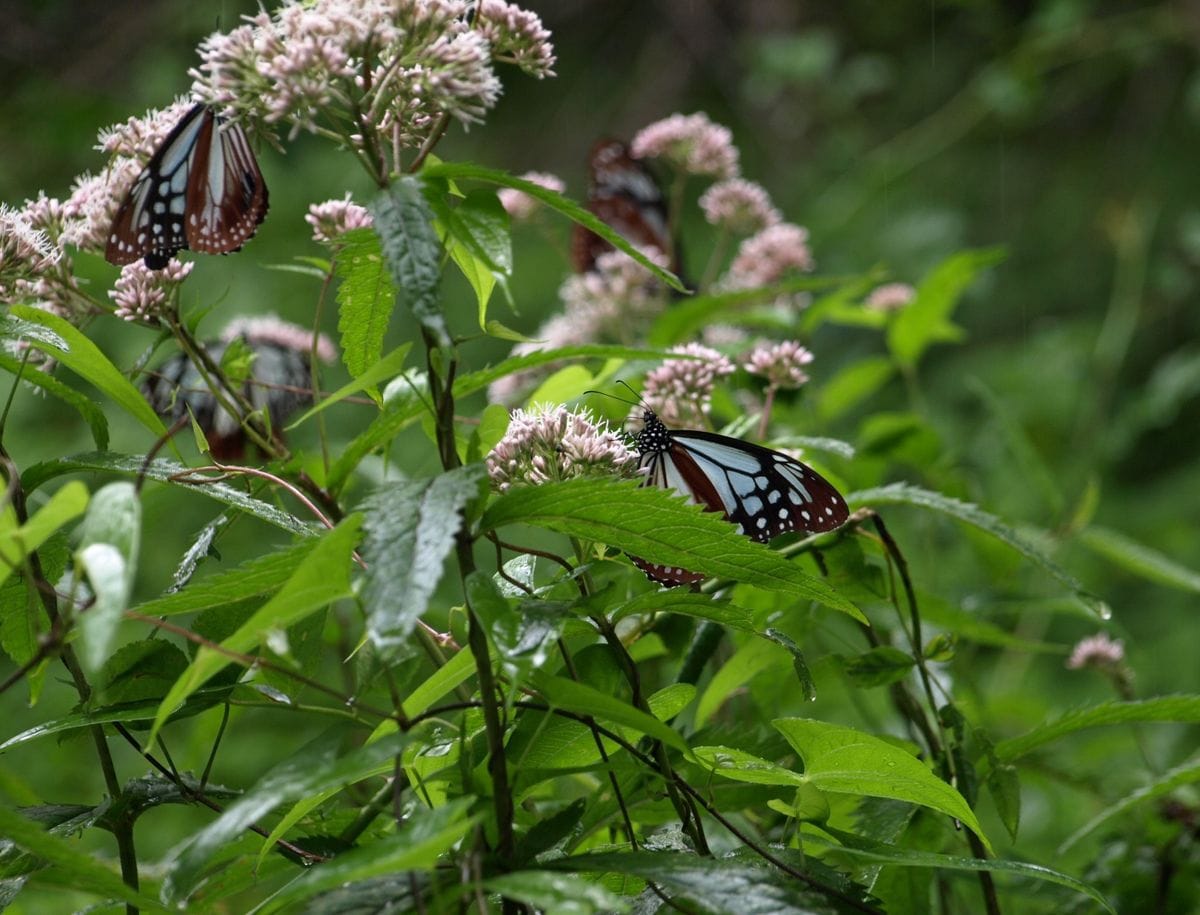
(1064, 131)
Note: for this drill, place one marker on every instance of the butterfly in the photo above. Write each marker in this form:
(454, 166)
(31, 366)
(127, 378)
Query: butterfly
(624, 194)
(280, 380)
(764, 492)
(202, 189)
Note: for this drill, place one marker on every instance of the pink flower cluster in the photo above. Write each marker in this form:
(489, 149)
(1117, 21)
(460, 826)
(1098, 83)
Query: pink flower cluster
(142, 294)
(890, 297)
(1097, 651)
(766, 257)
(334, 218)
(739, 206)
(553, 443)
(521, 206)
(26, 252)
(271, 329)
(782, 364)
(680, 390)
(404, 64)
(691, 143)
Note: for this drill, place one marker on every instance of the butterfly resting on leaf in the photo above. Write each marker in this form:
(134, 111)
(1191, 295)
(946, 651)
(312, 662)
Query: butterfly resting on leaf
(764, 493)
(202, 189)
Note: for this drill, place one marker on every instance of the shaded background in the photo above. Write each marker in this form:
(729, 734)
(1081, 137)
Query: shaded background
(897, 133)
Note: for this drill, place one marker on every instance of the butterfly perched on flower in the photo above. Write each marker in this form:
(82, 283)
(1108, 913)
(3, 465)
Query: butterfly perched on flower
(202, 189)
(764, 492)
(624, 194)
(279, 381)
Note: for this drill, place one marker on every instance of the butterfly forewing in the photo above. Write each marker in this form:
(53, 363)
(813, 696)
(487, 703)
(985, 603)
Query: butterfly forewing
(202, 189)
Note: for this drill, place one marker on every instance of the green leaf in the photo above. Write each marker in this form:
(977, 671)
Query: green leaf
(84, 871)
(84, 358)
(745, 767)
(905, 494)
(411, 251)
(573, 211)
(682, 321)
(164, 471)
(1164, 785)
(808, 689)
(313, 769)
(747, 662)
(713, 885)
(864, 849)
(108, 553)
(249, 579)
(417, 844)
(410, 529)
(564, 894)
(365, 297)
(661, 528)
(584, 700)
(137, 672)
(1140, 559)
(480, 241)
(1163, 708)
(880, 666)
(16, 543)
(841, 760)
(87, 408)
(926, 320)
(386, 368)
(687, 603)
(323, 578)
(852, 385)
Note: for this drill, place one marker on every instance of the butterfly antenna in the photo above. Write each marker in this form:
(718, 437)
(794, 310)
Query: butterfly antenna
(640, 401)
(615, 397)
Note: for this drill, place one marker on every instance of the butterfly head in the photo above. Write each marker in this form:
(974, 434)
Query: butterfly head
(654, 437)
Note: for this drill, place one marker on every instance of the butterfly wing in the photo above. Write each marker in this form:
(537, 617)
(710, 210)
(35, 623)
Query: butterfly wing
(226, 196)
(625, 195)
(150, 221)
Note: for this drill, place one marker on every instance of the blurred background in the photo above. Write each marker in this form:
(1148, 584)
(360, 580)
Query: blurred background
(1066, 131)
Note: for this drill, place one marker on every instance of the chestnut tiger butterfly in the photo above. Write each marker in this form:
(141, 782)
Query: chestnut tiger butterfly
(624, 194)
(202, 189)
(280, 381)
(764, 492)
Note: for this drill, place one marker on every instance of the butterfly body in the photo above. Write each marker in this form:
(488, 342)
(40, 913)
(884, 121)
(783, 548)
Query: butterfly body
(764, 493)
(202, 189)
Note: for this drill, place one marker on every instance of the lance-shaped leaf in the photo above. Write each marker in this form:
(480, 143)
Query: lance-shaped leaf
(164, 471)
(365, 297)
(108, 551)
(18, 542)
(410, 529)
(316, 767)
(87, 408)
(906, 494)
(84, 358)
(841, 760)
(322, 579)
(661, 528)
(411, 251)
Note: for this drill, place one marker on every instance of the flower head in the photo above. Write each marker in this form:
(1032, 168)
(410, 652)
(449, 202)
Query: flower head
(406, 63)
(26, 253)
(334, 218)
(782, 364)
(680, 390)
(141, 293)
(554, 443)
(890, 297)
(1097, 651)
(271, 329)
(764, 258)
(517, 36)
(690, 143)
(739, 206)
(521, 206)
